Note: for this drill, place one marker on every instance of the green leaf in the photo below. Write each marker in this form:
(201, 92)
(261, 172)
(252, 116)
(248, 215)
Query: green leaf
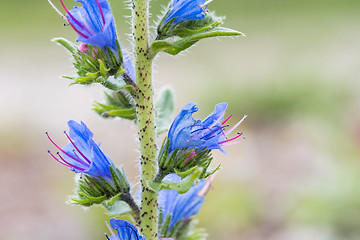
(180, 187)
(174, 48)
(66, 44)
(116, 206)
(164, 110)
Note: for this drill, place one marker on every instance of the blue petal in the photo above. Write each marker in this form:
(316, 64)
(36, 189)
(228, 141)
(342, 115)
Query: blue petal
(90, 23)
(182, 120)
(217, 115)
(180, 206)
(128, 65)
(184, 10)
(125, 230)
(100, 164)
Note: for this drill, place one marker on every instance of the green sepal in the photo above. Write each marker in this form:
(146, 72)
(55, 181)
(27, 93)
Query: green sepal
(186, 173)
(176, 47)
(183, 161)
(117, 104)
(87, 200)
(164, 110)
(66, 44)
(180, 187)
(97, 65)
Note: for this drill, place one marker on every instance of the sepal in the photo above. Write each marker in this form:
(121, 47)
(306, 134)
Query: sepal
(117, 104)
(180, 187)
(189, 32)
(97, 190)
(164, 110)
(183, 161)
(97, 65)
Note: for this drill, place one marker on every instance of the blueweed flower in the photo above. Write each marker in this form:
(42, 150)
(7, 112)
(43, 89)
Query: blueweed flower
(182, 207)
(186, 132)
(184, 10)
(93, 22)
(125, 230)
(82, 154)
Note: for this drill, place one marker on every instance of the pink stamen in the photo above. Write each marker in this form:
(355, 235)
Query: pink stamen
(228, 144)
(226, 120)
(76, 21)
(57, 159)
(235, 126)
(60, 148)
(231, 139)
(77, 148)
(71, 165)
(208, 128)
(79, 159)
(101, 12)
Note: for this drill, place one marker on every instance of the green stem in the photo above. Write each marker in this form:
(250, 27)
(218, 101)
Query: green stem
(145, 118)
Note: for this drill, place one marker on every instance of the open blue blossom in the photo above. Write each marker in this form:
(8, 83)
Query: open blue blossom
(186, 132)
(93, 22)
(125, 230)
(184, 10)
(181, 207)
(82, 154)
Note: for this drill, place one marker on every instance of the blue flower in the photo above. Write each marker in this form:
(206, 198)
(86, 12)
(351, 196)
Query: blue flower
(82, 154)
(93, 22)
(125, 230)
(186, 132)
(184, 10)
(181, 207)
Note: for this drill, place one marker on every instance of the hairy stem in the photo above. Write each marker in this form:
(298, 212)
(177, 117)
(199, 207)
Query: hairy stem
(145, 118)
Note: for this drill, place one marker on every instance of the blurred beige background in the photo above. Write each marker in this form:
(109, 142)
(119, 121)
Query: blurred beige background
(297, 175)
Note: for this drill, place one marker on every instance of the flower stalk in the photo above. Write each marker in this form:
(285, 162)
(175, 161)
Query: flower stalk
(145, 118)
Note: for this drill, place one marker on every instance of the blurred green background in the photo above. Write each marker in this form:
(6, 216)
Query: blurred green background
(297, 175)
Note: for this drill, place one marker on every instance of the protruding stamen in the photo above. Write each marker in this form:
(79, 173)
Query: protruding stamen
(72, 157)
(71, 165)
(226, 120)
(236, 125)
(76, 21)
(232, 143)
(57, 159)
(57, 10)
(231, 139)
(101, 12)
(107, 237)
(77, 148)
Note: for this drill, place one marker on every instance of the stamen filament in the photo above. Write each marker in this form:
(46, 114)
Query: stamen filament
(60, 148)
(231, 139)
(101, 12)
(77, 148)
(72, 165)
(235, 126)
(73, 18)
(57, 159)
(226, 120)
